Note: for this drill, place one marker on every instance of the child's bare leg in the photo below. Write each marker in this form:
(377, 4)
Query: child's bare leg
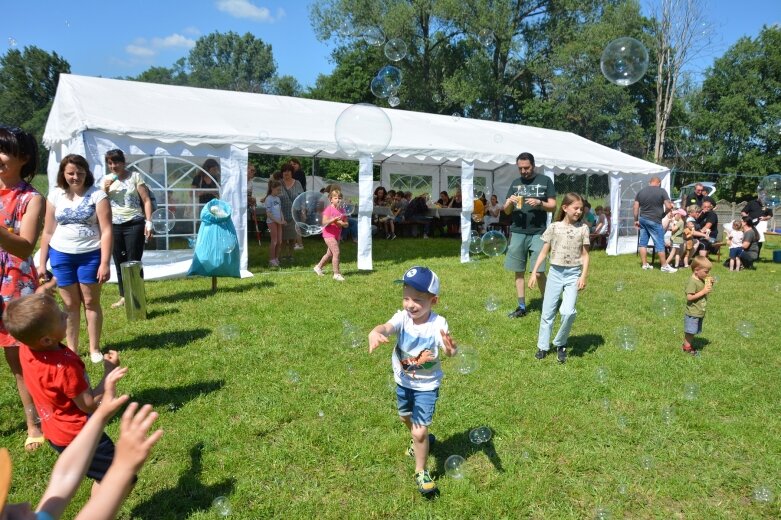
(738, 263)
(419, 442)
(688, 338)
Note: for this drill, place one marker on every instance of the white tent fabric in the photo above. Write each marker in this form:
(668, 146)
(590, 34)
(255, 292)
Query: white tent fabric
(89, 115)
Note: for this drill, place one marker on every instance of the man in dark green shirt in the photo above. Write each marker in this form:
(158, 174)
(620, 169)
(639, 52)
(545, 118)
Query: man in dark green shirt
(529, 200)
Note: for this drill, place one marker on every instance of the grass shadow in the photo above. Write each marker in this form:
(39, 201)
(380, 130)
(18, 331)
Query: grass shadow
(21, 427)
(198, 294)
(173, 398)
(700, 343)
(179, 338)
(459, 444)
(156, 313)
(188, 496)
(584, 344)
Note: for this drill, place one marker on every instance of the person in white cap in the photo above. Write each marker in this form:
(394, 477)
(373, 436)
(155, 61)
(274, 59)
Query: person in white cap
(421, 334)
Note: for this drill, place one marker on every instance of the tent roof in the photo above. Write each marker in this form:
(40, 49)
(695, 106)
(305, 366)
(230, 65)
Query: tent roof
(286, 125)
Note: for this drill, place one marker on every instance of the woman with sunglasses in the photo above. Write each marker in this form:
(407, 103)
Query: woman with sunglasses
(21, 211)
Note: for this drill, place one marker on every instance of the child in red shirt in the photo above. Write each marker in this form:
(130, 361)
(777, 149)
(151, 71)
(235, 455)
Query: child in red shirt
(55, 376)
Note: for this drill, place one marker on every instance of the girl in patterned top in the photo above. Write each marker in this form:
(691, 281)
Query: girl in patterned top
(567, 242)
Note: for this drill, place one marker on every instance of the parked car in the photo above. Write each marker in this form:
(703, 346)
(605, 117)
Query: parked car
(688, 190)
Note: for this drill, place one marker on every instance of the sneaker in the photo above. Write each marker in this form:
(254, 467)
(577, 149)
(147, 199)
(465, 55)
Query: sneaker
(517, 313)
(425, 483)
(298, 247)
(338, 277)
(273, 263)
(318, 270)
(411, 447)
(647, 267)
(541, 353)
(561, 354)
(387, 236)
(669, 269)
(425, 235)
(393, 236)
(688, 349)
(96, 357)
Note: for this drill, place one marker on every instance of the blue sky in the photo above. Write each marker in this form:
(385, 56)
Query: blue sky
(117, 39)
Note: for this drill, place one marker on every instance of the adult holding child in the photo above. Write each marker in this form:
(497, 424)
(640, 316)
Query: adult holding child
(131, 214)
(22, 209)
(651, 204)
(528, 202)
(78, 239)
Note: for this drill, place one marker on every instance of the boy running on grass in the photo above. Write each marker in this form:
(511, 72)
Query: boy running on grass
(421, 333)
(697, 289)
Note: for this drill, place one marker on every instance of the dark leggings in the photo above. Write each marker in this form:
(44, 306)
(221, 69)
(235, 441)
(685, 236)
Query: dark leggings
(128, 246)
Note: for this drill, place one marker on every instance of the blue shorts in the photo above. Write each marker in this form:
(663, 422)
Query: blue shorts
(101, 460)
(652, 230)
(734, 252)
(70, 268)
(691, 324)
(419, 404)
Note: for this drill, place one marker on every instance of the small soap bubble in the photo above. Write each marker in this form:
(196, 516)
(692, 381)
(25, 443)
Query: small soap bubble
(228, 332)
(492, 303)
(393, 101)
(626, 337)
(486, 37)
(777, 287)
(620, 284)
(606, 404)
(602, 375)
(498, 138)
(293, 376)
(745, 329)
(221, 506)
(526, 455)
(12, 41)
(602, 513)
(172, 407)
(351, 334)
(646, 462)
(466, 360)
(67, 24)
(763, 494)
(622, 489)
(668, 414)
(474, 243)
(456, 117)
(622, 422)
(454, 466)
(664, 303)
(481, 334)
(320, 414)
(480, 435)
(373, 36)
(691, 391)
(436, 97)
(395, 49)
(163, 221)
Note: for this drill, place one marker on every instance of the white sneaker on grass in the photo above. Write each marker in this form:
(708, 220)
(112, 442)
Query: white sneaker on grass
(647, 267)
(338, 277)
(668, 269)
(318, 270)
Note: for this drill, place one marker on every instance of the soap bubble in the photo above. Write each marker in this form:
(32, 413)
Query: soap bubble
(769, 190)
(606, 404)
(480, 435)
(602, 375)
(379, 88)
(293, 376)
(320, 414)
(12, 41)
(646, 462)
(624, 61)
(492, 303)
(454, 466)
(498, 138)
(668, 414)
(481, 334)
(394, 101)
(373, 36)
(456, 117)
(436, 97)
(228, 332)
(222, 506)
(308, 212)
(691, 391)
(391, 76)
(777, 287)
(622, 422)
(622, 488)
(486, 37)
(620, 284)
(163, 221)
(602, 513)
(664, 303)
(351, 334)
(626, 337)
(362, 129)
(395, 49)
(745, 329)
(493, 243)
(348, 206)
(466, 360)
(475, 244)
(763, 493)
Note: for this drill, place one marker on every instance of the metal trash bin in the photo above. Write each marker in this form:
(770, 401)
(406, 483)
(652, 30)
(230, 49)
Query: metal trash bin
(135, 296)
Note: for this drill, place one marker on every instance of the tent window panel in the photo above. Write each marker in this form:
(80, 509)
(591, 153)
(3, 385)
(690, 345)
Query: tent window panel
(417, 184)
(479, 184)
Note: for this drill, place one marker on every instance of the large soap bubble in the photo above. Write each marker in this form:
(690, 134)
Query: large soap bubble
(769, 190)
(466, 360)
(395, 49)
(308, 212)
(380, 88)
(664, 303)
(474, 243)
(454, 466)
(626, 337)
(373, 36)
(163, 221)
(391, 76)
(624, 61)
(493, 243)
(362, 129)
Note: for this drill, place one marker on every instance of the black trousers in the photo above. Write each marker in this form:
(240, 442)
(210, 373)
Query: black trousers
(128, 246)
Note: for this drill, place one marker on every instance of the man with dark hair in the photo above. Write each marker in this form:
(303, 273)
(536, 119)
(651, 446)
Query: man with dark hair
(298, 174)
(651, 204)
(707, 224)
(529, 201)
(698, 197)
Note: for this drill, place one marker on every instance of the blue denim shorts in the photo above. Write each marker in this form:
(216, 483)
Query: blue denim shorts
(649, 228)
(71, 268)
(691, 324)
(419, 404)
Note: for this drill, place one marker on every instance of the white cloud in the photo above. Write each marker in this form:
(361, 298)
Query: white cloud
(192, 31)
(139, 49)
(173, 40)
(246, 9)
(142, 48)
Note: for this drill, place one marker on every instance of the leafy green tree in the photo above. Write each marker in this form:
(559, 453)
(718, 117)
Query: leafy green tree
(285, 86)
(231, 62)
(176, 75)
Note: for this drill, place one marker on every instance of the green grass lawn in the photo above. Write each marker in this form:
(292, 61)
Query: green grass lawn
(263, 400)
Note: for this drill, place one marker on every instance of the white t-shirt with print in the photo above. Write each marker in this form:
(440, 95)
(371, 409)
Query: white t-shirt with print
(125, 200)
(77, 228)
(411, 341)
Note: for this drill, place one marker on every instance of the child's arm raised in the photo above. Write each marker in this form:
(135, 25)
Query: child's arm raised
(540, 259)
(133, 447)
(89, 400)
(72, 464)
(379, 334)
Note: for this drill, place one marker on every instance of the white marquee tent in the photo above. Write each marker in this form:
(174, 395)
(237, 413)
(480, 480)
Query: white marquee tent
(90, 116)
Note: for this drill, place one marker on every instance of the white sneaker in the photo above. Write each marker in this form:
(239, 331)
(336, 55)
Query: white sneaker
(96, 357)
(338, 277)
(318, 270)
(298, 247)
(668, 269)
(647, 267)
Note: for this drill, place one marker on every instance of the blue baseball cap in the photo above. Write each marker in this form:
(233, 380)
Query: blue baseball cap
(421, 278)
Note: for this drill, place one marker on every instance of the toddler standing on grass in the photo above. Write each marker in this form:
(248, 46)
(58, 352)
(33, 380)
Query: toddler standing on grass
(735, 238)
(697, 289)
(567, 242)
(421, 335)
(274, 220)
(334, 219)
